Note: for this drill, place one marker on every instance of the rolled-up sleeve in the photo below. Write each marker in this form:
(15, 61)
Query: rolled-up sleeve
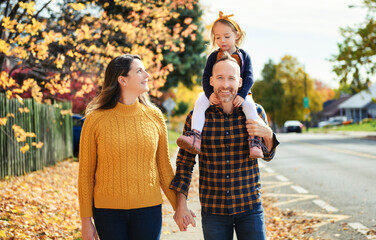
(185, 162)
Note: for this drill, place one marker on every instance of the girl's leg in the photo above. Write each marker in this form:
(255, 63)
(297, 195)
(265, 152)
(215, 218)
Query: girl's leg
(198, 115)
(191, 141)
(249, 109)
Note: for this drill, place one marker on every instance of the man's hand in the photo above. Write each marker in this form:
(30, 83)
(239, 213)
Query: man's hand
(259, 128)
(213, 99)
(238, 101)
(183, 216)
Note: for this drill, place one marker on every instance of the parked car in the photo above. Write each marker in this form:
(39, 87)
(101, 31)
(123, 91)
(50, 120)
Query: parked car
(293, 126)
(335, 121)
(78, 121)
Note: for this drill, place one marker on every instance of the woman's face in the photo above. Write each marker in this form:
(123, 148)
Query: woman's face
(137, 79)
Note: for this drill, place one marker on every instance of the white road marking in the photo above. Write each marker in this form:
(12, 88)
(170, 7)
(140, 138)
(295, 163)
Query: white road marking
(299, 189)
(325, 205)
(362, 229)
(269, 170)
(281, 178)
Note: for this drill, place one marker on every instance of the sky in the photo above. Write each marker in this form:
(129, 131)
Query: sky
(306, 30)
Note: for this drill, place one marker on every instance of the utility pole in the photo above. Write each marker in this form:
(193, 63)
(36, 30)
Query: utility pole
(306, 101)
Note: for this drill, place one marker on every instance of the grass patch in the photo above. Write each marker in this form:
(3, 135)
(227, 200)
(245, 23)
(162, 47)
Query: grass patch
(172, 136)
(362, 127)
(367, 126)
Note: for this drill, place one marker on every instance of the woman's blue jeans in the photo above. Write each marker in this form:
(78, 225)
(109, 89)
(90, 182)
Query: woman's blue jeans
(249, 225)
(132, 224)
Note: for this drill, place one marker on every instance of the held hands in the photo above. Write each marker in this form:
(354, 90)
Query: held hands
(238, 101)
(183, 217)
(213, 99)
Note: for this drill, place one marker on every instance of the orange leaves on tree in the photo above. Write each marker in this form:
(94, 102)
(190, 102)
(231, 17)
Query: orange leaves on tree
(23, 110)
(37, 145)
(77, 6)
(20, 134)
(3, 121)
(29, 7)
(25, 148)
(4, 47)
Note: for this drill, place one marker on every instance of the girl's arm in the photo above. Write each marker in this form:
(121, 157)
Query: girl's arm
(247, 75)
(208, 71)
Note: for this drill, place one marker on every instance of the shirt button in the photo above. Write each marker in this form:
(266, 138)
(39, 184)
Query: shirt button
(228, 192)
(227, 133)
(227, 176)
(227, 161)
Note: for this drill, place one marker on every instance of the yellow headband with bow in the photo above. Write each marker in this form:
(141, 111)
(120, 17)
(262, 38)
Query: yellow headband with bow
(228, 19)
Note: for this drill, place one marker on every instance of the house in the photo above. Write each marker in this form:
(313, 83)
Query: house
(361, 105)
(331, 108)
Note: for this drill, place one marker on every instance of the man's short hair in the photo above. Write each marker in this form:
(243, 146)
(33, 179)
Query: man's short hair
(227, 56)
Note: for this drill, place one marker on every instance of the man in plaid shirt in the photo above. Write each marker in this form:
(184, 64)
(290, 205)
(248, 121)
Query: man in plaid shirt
(229, 179)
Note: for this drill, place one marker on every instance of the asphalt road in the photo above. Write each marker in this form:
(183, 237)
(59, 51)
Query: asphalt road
(335, 174)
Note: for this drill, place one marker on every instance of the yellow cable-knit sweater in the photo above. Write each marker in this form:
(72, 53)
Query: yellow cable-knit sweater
(124, 159)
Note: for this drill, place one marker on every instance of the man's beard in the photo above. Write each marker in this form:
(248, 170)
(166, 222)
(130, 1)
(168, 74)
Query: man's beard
(225, 99)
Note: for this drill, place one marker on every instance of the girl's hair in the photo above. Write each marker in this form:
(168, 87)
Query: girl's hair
(110, 92)
(227, 20)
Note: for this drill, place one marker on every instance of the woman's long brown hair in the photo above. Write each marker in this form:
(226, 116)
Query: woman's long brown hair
(110, 93)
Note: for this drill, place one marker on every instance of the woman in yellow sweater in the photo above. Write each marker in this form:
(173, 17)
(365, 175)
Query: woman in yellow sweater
(124, 159)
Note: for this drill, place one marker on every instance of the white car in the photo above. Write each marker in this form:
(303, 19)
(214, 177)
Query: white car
(293, 126)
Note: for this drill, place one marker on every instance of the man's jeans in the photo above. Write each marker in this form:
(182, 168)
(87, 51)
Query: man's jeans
(249, 225)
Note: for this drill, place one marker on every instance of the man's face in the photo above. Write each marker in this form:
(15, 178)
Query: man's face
(226, 80)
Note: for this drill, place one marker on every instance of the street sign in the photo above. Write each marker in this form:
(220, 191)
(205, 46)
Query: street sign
(169, 104)
(306, 102)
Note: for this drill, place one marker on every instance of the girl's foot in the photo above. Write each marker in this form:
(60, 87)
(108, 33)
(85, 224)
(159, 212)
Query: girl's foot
(191, 141)
(255, 150)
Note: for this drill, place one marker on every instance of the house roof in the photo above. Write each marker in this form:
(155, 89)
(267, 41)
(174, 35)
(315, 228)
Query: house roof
(361, 99)
(332, 108)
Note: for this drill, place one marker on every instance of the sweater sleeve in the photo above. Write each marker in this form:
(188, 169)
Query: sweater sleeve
(87, 166)
(166, 174)
(208, 71)
(247, 75)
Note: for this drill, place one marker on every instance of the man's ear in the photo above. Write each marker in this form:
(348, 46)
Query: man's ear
(211, 80)
(240, 82)
(122, 80)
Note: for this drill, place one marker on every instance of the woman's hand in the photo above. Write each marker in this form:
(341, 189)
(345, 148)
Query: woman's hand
(88, 230)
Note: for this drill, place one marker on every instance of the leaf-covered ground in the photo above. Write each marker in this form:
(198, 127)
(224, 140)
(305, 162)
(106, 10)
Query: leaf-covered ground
(44, 205)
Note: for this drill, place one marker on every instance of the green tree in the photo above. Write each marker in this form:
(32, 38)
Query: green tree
(188, 64)
(268, 92)
(355, 62)
(282, 90)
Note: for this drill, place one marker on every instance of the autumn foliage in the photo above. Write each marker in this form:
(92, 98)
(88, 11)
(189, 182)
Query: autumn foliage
(61, 53)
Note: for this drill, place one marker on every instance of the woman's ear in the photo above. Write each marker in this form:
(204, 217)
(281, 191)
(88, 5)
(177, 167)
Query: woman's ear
(122, 80)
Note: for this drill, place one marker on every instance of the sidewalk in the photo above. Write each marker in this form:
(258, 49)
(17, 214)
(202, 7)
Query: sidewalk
(170, 231)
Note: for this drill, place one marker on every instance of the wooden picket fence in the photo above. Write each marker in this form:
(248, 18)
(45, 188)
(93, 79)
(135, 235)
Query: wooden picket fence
(52, 127)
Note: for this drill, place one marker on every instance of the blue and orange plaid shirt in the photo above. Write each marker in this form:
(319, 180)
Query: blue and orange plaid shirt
(229, 178)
